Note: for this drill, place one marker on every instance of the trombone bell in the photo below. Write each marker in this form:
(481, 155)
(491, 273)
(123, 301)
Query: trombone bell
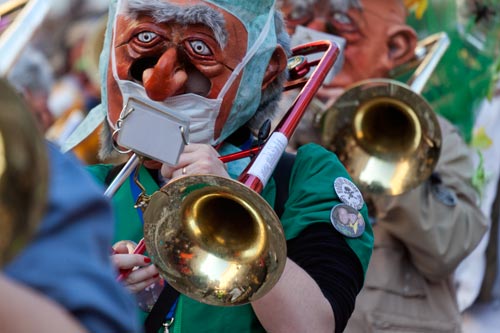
(214, 239)
(386, 135)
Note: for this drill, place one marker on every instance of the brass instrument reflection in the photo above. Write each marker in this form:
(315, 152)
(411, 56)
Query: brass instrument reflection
(384, 131)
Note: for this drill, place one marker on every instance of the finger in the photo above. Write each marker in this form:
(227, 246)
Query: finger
(167, 171)
(201, 159)
(142, 274)
(129, 261)
(197, 159)
(142, 277)
(130, 246)
(135, 288)
(188, 156)
(195, 152)
(120, 249)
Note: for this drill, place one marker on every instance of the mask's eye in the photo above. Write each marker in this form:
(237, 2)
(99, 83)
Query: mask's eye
(342, 18)
(297, 13)
(342, 23)
(299, 16)
(200, 48)
(146, 37)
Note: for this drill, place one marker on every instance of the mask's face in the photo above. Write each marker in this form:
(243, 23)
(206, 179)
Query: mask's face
(366, 31)
(171, 58)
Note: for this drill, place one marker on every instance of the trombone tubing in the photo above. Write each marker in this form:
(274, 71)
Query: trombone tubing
(20, 32)
(264, 164)
(127, 169)
(439, 44)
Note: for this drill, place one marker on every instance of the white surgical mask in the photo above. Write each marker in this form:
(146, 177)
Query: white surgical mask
(202, 112)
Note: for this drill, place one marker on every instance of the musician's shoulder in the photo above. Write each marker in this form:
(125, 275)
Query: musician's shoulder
(314, 153)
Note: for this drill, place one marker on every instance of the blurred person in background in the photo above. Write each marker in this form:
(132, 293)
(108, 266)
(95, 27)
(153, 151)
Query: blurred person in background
(77, 89)
(33, 77)
(57, 228)
(44, 314)
(422, 235)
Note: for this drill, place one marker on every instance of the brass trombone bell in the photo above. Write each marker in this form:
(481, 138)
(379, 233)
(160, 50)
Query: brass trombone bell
(23, 174)
(214, 239)
(383, 131)
(386, 135)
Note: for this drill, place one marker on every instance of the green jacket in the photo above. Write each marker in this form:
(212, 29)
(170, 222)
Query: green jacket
(311, 199)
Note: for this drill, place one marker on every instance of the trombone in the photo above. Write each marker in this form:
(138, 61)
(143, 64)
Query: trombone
(215, 239)
(384, 132)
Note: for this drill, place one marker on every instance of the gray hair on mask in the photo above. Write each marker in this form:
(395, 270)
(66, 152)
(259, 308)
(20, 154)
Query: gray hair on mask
(339, 5)
(162, 11)
(106, 149)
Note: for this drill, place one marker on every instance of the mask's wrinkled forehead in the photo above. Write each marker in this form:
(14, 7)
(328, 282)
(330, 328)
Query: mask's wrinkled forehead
(162, 11)
(246, 11)
(338, 5)
(252, 14)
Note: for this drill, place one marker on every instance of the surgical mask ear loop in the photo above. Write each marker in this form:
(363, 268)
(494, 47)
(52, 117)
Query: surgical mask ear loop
(123, 115)
(255, 47)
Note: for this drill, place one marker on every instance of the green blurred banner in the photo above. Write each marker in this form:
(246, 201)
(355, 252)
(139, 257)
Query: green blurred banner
(466, 74)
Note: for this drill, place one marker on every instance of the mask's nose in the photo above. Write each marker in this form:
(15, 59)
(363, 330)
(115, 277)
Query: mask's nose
(167, 78)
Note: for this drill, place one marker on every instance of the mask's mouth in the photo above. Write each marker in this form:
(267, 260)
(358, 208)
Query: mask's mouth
(197, 83)
(139, 66)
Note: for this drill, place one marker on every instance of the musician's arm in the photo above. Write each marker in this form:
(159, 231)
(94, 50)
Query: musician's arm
(24, 310)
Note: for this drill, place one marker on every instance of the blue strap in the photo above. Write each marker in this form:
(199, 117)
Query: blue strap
(170, 313)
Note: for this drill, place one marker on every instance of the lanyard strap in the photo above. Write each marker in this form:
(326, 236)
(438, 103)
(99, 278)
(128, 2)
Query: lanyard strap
(168, 297)
(167, 300)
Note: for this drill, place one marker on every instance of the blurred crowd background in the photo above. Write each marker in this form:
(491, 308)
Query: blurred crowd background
(59, 68)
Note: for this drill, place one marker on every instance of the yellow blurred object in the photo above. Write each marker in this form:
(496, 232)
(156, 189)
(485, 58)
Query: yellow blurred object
(481, 139)
(418, 6)
(87, 150)
(67, 102)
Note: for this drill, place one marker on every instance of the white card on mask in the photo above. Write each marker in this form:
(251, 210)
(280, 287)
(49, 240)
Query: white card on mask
(153, 132)
(305, 35)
